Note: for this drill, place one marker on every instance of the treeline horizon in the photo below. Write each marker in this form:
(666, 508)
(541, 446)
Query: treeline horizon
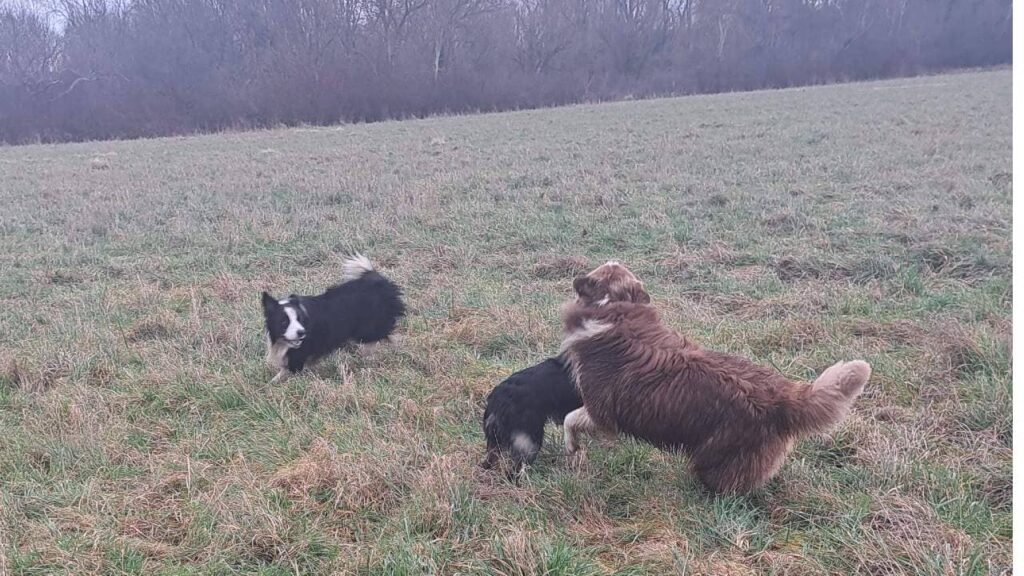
(74, 70)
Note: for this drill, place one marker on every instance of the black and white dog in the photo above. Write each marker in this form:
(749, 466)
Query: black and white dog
(518, 408)
(364, 309)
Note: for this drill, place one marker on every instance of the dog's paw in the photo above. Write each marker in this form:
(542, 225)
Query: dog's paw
(571, 441)
(367, 350)
(518, 474)
(570, 446)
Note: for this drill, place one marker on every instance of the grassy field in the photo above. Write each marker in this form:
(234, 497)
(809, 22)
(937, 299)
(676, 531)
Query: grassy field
(138, 434)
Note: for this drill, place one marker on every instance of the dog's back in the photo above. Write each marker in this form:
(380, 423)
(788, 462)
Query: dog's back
(519, 406)
(364, 309)
(735, 419)
(650, 383)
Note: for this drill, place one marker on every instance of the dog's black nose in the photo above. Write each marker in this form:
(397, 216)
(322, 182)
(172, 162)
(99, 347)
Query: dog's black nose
(300, 333)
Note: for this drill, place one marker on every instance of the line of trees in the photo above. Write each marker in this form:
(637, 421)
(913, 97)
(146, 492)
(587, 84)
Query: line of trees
(89, 69)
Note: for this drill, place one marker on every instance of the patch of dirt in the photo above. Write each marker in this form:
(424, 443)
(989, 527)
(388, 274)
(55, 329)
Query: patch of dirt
(894, 414)
(998, 489)
(713, 253)
(749, 308)
(748, 273)
(902, 332)
(791, 268)
(946, 261)
(793, 335)
(268, 547)
(64, 278)
(232, 289)
(148, 330)
(1002, 180)
(349, 481)
(158, 518)
(863, 271)
(961, 352)
(167, 529)
(718, 200)
(561, 267)
(33, 378)
(10, 373)
(101, 373)
(786, 221)
(910, 528)
(314, 259)
(470, 327)
(723, 566)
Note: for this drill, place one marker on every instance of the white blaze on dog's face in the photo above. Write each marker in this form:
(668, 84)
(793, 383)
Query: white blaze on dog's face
(610, 282)
(295, 331)
(285, 320)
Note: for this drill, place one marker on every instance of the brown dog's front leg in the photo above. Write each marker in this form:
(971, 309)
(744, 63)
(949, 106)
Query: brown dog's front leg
(576, 423)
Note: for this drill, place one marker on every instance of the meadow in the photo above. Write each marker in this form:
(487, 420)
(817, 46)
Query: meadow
(139, 435)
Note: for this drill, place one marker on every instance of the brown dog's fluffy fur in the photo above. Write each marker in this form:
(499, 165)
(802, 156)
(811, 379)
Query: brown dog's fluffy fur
(736, 420)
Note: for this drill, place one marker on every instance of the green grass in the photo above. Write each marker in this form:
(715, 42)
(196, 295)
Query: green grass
(797, 227)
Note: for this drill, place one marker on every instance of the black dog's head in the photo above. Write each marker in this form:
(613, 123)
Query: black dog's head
(286, 320)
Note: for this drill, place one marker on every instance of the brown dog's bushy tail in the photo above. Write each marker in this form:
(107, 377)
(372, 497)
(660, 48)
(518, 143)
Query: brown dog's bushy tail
(829, 398)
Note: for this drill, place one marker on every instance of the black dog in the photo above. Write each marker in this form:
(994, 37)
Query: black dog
(364, 308)
(518, 408)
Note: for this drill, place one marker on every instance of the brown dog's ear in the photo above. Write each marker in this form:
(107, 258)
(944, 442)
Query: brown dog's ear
(637, 294)
(584, 286)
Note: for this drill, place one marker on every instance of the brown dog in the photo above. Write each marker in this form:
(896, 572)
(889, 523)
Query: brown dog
(736, 420)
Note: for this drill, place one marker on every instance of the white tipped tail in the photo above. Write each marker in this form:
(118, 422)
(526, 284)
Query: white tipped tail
(829, 399)
(355, 267)
(848, 377)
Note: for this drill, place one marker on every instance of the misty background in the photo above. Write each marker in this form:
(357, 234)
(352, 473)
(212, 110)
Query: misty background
(93, 69)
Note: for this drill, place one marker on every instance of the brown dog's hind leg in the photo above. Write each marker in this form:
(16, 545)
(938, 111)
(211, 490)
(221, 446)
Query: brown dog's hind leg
(744, 471)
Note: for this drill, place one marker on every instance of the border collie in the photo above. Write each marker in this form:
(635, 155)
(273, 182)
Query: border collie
(518, 408)
(735, 420)
(364, 309)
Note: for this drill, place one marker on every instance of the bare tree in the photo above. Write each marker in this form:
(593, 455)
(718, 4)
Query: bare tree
(28, 50)
(543, 31)
(390, 19)
(73, 69)
(446, 19)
